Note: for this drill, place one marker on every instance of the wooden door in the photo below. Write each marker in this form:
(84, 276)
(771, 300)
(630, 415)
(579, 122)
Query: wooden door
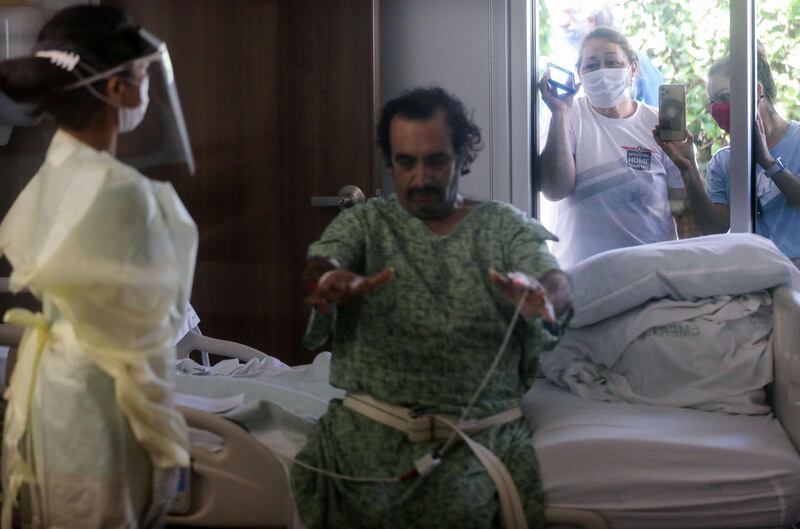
(278, 100)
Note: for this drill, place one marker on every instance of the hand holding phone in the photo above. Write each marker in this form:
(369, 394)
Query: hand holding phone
(672, 112)
(561, 78)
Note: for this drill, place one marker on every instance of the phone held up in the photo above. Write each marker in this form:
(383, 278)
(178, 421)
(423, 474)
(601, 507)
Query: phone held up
(672, 112)
(561, 78)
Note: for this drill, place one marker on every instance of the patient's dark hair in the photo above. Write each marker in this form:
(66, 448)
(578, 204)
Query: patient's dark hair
(102, 36)
(422, 104)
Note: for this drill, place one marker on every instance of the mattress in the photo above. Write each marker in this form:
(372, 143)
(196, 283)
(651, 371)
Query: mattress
(651, 467)
(638, 466)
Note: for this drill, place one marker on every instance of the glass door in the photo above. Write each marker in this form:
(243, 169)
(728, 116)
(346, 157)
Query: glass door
(623, 186)
(729, 61)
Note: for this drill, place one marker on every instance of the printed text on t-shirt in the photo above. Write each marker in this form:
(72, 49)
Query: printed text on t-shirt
(638, 157)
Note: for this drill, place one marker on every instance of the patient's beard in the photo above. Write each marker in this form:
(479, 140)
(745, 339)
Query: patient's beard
(429, 202)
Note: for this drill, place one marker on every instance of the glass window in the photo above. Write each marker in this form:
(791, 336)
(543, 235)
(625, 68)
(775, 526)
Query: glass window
(777, 192)
(620, 187)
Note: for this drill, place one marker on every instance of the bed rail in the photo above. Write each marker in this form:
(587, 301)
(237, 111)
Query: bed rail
(198, 342)
(244, 485)
(239, 485)
(786, 361)
(10, 336)
(568, 518)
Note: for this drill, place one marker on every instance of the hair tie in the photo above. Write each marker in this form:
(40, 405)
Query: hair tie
(62, 59)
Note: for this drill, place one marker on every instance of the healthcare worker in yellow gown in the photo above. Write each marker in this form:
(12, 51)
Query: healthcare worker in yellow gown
(91, 434)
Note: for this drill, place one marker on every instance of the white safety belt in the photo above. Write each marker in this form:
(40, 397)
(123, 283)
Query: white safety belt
(424, 428)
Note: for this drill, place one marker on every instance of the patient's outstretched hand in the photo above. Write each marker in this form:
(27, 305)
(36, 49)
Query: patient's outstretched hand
(512, 286)
(338, 286)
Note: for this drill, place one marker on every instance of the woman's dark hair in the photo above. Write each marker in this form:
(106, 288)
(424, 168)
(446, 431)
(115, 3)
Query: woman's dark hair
(609, 35)
(763, 72)
(102, 36)
(422, 104)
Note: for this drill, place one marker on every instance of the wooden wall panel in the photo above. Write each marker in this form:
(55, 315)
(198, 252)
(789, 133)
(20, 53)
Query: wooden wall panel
(278, 102)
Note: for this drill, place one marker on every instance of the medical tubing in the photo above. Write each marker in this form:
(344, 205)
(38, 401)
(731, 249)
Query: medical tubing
(439, 453)
(486, 377)
(334, 475)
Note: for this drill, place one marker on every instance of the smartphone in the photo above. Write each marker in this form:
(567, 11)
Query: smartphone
(561, 78)
(672, 112)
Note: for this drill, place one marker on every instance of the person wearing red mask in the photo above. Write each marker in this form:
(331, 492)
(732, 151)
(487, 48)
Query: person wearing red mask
(777, 156)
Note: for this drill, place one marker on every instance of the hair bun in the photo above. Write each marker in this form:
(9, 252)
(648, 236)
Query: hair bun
(30, 79)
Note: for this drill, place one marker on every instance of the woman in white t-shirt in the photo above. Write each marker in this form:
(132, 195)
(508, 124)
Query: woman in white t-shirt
(611, 180)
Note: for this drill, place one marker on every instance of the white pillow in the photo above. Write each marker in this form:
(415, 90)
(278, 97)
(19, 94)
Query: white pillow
(613, 282)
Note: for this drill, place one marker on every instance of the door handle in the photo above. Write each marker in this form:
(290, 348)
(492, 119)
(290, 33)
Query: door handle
(347, 197)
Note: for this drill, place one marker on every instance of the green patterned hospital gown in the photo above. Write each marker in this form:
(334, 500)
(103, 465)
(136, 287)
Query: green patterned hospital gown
(424, 340)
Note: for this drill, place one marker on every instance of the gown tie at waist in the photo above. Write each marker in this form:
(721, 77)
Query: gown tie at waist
(422, 428)
(19, 396)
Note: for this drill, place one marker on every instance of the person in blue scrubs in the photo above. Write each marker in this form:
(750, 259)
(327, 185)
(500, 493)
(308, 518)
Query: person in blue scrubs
(777, 156)
(647, 81)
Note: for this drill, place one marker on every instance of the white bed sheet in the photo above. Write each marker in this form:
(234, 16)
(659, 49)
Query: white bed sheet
(303, 390)
(638, 466)
(652, 467)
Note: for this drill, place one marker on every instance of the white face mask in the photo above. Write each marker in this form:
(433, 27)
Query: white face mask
(608, 87)
(130, 118)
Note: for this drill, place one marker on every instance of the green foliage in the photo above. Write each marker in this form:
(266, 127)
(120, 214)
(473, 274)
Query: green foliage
(543, 21)
(684, 37)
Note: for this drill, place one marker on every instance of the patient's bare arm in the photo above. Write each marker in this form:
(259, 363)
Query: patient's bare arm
(516, 285)
(328, 283)
(315, 268)
(557, 161)
(548, 297)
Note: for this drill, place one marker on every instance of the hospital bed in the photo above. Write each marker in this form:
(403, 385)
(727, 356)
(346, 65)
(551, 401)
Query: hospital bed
(603, 465)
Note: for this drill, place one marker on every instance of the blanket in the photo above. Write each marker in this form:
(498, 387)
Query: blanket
(710, 354)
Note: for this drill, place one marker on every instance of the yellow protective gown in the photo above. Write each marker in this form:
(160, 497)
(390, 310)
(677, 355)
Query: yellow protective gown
(90, 423)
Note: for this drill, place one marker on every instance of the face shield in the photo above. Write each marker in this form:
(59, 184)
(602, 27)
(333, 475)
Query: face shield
(161, 138)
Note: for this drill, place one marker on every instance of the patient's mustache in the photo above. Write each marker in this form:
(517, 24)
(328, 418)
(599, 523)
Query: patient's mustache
(426, 189)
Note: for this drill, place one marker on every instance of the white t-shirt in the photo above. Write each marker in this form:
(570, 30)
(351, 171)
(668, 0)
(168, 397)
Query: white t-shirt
(621, 181)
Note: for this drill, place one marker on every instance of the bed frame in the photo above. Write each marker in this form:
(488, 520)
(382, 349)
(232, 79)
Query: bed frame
(236, 491)
(245, 485)
(785, 390)
(242, 484)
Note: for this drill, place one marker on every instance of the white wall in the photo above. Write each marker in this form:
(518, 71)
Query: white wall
(20, 24)
(478, 50)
